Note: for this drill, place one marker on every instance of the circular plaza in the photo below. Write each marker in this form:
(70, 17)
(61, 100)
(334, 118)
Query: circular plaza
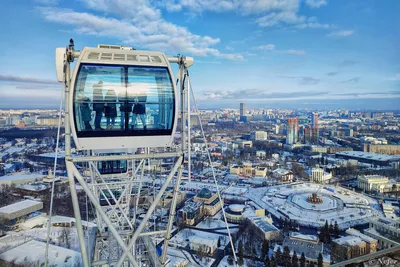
(312, 204)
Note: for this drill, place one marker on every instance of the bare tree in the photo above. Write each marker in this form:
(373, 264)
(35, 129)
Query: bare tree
(65, 237)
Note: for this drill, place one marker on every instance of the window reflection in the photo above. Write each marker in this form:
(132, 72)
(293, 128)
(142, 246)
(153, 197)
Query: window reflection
(123, 101)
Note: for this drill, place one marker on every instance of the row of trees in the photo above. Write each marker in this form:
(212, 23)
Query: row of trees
(285, 260)
(328, 231)
(6, 195)
(288, 225)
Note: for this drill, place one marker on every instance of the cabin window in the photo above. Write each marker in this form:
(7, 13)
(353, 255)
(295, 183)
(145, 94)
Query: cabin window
(123, 101)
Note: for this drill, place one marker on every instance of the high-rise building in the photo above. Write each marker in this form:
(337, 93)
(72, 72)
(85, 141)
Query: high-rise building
(292, 131)
(307, 135)
(242, 109)
(243, 116)
(314, 127)
(314, 120)
(277, 129)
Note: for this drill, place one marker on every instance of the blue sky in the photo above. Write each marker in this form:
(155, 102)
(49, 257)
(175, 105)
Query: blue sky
(267, 53)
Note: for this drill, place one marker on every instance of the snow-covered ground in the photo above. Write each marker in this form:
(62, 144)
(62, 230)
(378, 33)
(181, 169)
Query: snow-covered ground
(197, 186)
(344, 206)
(34, 222)
(11, 240)
(183, 257)
(211, 223)
(177, 257)
(234, 190)
(247, 262)
(205, 261)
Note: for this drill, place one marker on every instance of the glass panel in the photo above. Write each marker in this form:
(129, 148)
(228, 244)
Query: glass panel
(112, 166)
(151, 95)
(123, 101)
(95, 97)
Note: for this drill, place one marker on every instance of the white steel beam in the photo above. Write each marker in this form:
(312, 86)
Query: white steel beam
(171, 214)
(138, 231)
(74, 195)
(98, 207)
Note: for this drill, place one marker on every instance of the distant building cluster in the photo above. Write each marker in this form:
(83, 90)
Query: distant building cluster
(28, 118)
(307, 134)
(282, 174)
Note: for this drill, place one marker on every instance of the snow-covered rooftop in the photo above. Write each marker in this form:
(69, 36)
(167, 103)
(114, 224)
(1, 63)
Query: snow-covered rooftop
(355, 232)
(25, 204)
(203, 241)
(12, 150)
(64, 219)
(33, 187)
(281, 171)
(264, 226)
(21, 176)
(349, 240)
(60, 154)
(34, 251)
(368, 155)
(304, 237)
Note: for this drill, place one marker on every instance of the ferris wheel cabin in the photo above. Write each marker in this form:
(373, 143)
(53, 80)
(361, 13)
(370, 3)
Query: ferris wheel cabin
(121, 98)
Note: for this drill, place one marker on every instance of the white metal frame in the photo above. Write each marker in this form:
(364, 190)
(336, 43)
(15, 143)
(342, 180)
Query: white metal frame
(122, 231)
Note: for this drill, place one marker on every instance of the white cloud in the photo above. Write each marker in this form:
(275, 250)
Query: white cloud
(293, 52)
(290, 18)
(267, 47)
(271, 47)
(312, 25)
(140, 23)
(274, 18)
(244, 7)
(272, 12)
(28, 80)
(208, 62)
(47, 2)
(145, 28)
(342, 33)
(316, 3)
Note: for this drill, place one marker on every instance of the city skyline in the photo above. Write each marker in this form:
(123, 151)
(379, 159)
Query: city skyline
(277, 54)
